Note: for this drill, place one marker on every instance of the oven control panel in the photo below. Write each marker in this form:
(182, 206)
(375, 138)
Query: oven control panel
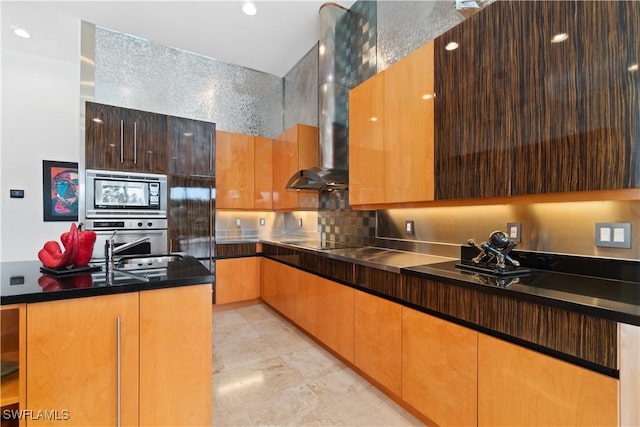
(126, 224)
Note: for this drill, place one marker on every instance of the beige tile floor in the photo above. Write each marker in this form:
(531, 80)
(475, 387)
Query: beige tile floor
(268, 373)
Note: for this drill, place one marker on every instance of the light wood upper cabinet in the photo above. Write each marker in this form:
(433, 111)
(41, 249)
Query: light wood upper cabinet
(366, 142)
(263, 174)
(439, 372)
(296, 148)
(234, 170)
(72, 359)
(378, 340)
(409, 127)
(192, 145)
(518, 386)
(401, 98)
(237, 279)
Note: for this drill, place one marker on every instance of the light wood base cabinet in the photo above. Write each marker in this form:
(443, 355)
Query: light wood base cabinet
(73, 347)
(336, 317)
(128, 359)
(306, 309)
(237, 279)
(378, 340)
(439, 373)
(176, 370)
(279, 286)
(518, 386)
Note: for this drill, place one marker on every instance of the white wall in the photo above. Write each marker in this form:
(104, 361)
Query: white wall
(40, 121)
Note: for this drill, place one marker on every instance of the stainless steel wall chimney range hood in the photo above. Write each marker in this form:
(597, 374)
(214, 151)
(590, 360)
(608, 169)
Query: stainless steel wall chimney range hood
(332, 174)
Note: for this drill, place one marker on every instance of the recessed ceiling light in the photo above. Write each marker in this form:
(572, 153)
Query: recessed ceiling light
(560, 37)
(21, 32)
(249, 9)
(451, 46)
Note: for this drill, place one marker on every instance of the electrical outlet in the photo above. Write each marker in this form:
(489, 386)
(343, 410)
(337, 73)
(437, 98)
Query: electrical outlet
(238, 222)
(262, 222)
(514, 231)
(613, 234)
(409, 227)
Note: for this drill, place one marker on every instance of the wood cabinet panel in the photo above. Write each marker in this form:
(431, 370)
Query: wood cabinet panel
(518, 115)
(72, 364)
(517, 386)
(13, 348)
(296, 148)
(175, 356)
(378, 340)
(408, 127)
(234, 170)
(191, 215)
(336, 317)
(279, 287)
(124, 139)
(263, 174)
(366, 142)
(192, 145)
(237, 279)
(306, 309)
(439, 369)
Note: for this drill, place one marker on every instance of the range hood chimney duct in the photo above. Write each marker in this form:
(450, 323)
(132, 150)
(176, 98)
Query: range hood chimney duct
(332, 173)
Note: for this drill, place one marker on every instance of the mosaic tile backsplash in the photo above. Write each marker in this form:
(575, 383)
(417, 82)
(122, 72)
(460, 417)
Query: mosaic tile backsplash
(337, 222)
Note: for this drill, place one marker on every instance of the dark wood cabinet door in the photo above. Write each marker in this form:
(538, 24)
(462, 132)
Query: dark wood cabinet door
(150, 141)
(105, 145)
(192, 147)
(124, 139)
(518, 114)
(191, 210)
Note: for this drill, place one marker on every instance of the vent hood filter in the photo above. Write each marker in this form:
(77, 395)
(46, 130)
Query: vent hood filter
(319, 179)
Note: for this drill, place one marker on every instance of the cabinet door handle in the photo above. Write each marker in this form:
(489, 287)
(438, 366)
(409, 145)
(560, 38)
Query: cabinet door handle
(211, 152)
(121, 141)
(118, 370)
(135, 143)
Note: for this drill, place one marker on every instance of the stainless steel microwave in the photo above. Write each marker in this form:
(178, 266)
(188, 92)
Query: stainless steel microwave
(115, 194)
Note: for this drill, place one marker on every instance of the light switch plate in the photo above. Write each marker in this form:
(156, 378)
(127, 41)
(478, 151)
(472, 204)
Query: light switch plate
(262, 222)
(238, 222)
(613, 235)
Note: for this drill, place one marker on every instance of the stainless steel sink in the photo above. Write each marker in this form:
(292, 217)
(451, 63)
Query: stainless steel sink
(146, 262)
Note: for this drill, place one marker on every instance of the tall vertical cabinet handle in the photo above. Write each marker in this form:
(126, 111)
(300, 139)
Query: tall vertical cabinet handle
(118, 371)
(211, 152)
(121, 141)
(135, 143)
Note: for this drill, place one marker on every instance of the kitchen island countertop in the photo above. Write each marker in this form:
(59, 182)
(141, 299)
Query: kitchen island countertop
(23, 282)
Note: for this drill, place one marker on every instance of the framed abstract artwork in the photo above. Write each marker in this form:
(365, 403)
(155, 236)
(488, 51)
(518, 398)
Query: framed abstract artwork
(60, 191)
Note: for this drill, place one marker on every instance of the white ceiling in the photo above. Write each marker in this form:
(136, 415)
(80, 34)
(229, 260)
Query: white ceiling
(272, 41)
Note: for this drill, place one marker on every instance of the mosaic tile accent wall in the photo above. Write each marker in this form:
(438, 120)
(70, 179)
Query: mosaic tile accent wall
(301, 91)
(404, 26)
(137, 73)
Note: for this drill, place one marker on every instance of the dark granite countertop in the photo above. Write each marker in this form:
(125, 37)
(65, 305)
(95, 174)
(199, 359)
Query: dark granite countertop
(605, 288)
(23, 282)
(613, 299)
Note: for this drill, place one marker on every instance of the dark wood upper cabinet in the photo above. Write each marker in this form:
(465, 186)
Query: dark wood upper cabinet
(517, 114)
(124, 139)
(192, 147)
